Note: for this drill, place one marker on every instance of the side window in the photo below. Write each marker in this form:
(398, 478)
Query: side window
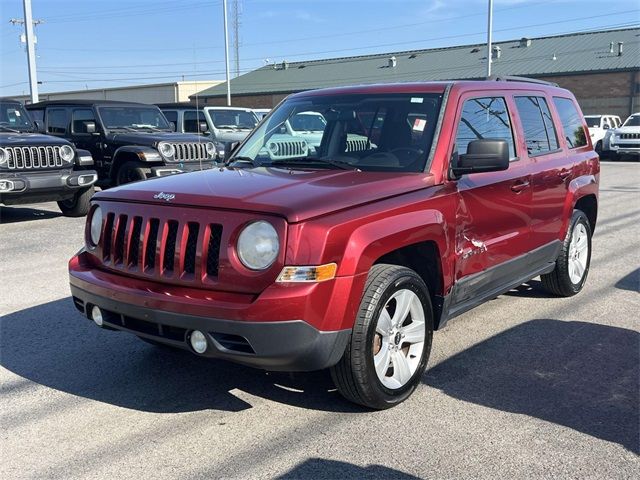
(37, 115)
(79, 117)
(571, 122)
(191, 119)
(171, 116)
(57, 120)
(484, 118)
(539, 132)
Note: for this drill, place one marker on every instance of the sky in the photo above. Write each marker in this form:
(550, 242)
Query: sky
(104, 43)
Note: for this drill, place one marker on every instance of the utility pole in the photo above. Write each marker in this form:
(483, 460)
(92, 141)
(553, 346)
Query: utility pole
(31, 51)
(489, 29)
(235, 15)
(226, 51)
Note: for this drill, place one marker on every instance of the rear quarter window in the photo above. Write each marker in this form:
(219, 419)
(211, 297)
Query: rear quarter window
(572, 124)
(537, 124)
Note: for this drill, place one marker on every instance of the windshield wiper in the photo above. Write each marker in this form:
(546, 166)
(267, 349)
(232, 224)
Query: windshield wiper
(310, 161)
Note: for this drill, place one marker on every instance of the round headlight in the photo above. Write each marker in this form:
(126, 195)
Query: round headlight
(273, 148)
(4, 156)
(96, 226)
(166, 150)
(211, 149)
(258, 245)
(66, 153)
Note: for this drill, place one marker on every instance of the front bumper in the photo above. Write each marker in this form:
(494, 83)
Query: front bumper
(625, 149)
(45, 186)
(292, 345)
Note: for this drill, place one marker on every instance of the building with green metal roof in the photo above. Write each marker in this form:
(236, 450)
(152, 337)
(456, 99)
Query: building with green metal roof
(600, 67)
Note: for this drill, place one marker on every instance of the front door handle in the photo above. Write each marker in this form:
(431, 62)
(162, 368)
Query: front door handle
(520, 186)
(563, 174)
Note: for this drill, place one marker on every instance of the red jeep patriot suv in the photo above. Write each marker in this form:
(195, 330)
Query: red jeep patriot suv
(416, 203)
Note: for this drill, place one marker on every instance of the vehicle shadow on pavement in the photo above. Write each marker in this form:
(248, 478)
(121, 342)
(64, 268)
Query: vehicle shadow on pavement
(319, 468)
(53, 345)
(581, 375)
(24, 214)
(531, 289)
(630, 282)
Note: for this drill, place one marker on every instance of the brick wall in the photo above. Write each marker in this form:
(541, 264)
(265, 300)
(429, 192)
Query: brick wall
(612, 93)
(248, 101)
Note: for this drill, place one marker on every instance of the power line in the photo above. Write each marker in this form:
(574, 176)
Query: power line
(447, 37)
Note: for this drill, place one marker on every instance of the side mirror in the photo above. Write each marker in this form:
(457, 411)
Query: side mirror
(37, 125)
(89, 127)
(229, 149)
(172, 126)
(202, 127)
(486, 155)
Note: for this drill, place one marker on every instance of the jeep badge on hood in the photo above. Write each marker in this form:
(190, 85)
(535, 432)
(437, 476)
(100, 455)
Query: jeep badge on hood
(164, 196)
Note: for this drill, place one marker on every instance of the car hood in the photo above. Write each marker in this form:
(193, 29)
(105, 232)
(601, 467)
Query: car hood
(627, 130)
(296, 195)
(151, 139)
(10, 139)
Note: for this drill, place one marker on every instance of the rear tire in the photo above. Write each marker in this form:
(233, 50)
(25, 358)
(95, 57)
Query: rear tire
(572, 266)
(390, 343)
(132, 172)
(78, 206)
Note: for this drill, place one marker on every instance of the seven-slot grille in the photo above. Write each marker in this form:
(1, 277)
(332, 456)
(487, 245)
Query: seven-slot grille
(630, 136)
(186, 152)
(28, 158)
(159, 247)
(289, 148)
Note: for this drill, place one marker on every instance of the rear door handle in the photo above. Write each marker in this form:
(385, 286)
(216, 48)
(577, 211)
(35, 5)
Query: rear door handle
(520, 186)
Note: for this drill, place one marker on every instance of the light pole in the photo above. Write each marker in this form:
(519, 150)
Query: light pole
(31, 53)
(489, 29)
(226, 51)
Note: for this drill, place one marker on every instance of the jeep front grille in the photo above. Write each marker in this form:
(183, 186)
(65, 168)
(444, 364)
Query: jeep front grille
(29, 158)
(179, 245)
(186, 152)
(288, 148)
(164, 247)
(357, 144)
(630, 136)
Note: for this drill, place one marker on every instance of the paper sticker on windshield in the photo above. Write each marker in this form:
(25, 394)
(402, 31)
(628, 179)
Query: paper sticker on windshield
(419, 124)
(417, 99)
(17, 113)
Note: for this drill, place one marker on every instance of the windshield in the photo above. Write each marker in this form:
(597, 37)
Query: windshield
(233, 119)
(593, 121)
(14, 116)
(382, 132)
(308, 122)
(137, 118)
(632, 121)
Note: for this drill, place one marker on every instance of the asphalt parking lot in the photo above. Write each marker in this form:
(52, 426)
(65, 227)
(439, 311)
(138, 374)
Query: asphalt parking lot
(526, 385)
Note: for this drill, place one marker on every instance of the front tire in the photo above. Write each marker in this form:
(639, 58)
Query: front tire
(572, 266)
(391, 339)
(132, 172)
(78, 205)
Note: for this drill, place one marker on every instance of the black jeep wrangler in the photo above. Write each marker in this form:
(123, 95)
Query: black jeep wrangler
(128, 141)
(41, 168)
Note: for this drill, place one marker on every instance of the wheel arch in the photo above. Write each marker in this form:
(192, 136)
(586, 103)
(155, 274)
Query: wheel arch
(133, 153)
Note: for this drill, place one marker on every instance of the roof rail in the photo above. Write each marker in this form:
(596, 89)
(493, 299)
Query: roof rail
(508, 78)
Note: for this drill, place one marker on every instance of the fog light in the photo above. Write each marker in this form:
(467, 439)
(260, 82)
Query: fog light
(198, 341)
(87, 179)
(96, 315)
(6, 185)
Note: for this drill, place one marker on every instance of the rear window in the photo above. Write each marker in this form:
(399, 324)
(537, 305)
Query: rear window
(539, 132)
(571, 122)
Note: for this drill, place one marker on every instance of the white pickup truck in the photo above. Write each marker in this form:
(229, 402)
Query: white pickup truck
(599, 125)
